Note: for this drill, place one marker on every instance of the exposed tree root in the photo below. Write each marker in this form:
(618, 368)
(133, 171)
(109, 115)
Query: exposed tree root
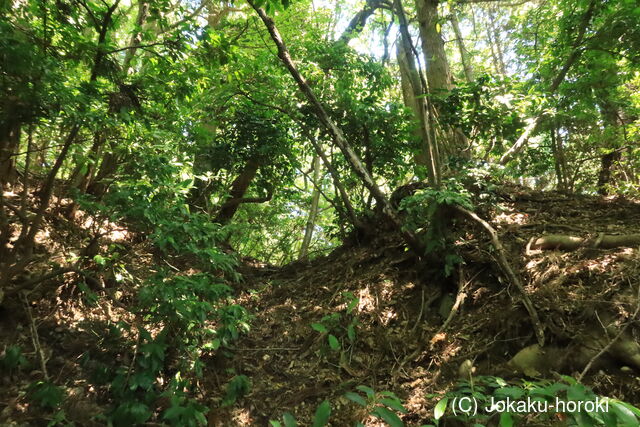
(501, 258)
(610, 344)
(571, 243)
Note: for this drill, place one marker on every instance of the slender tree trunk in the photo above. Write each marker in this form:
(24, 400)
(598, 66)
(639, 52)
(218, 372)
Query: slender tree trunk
(559, 161)
(438, 72)
(83, 173)
(108, 167)
(336, 133)
(465, 57)
(496, 43)
(10, 130)
(313, 211)
(337, 183)
(494, 55)
(239, 188)
(607, 163)
(136, 37)
(534, 123)
(611, 119)
(27, 170)
(413, 89)
(357, 23)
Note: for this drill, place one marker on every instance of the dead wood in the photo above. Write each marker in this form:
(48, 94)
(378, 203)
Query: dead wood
(571, 243)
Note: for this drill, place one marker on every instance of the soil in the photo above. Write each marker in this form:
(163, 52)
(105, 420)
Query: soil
(399, 310)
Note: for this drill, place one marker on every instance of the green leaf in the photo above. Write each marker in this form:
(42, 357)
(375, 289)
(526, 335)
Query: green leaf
(366, 390)
(583, 419)
(440, 408)
(99, 259)
(46, 394)
(319, 327)
(390, 417)
(355, 397)
(289, 420)
(333, 342)
(394, 404)
(351, 333)
(630, 407)
(624, 415)
(323, 412)
(506, 420)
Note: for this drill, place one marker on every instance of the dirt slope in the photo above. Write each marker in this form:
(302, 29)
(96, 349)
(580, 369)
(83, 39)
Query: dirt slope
(399, 345)
(385, 310)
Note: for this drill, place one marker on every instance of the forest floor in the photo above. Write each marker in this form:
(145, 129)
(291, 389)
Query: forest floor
(396, 308)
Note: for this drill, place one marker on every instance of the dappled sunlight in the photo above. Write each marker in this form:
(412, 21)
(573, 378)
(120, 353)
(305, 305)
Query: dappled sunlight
(317, 212)
(512, 218)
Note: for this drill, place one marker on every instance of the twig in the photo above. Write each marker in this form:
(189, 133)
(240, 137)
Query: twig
(420, 313)
(133, 358)
(269, 349)
(462, 295)
(616, 338)
(35, 339)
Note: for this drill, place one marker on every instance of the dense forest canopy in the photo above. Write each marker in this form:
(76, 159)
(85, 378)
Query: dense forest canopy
(271, 131)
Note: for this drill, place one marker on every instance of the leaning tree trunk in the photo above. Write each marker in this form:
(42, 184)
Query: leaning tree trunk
(336, 133)
(572, 243)
(357, 23)
(239, 188)
(313, 211)
(337, 183)
(575, 54)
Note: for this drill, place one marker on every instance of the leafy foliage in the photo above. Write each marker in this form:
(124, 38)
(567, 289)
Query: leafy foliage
(487, 397)
(383, 405)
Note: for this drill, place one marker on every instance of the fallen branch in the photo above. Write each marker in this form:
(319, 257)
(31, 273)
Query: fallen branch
(571, 243)
(462, 295)
(35, 339)
(501, 258)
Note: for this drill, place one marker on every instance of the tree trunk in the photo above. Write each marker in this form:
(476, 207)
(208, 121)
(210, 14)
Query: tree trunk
(357, 23)
(83, 174)
(239, 188)
(413, 90)
(136, 37)
(108, 167)
(10, 130)
(611, 118)
(571, 243)
(436, 63)
(496, 44)
(534, 123)
(559, 159)
(336, 133)
(313, 211)
(465, 57)
(438, 72)
(607, 162)
(337, 183)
